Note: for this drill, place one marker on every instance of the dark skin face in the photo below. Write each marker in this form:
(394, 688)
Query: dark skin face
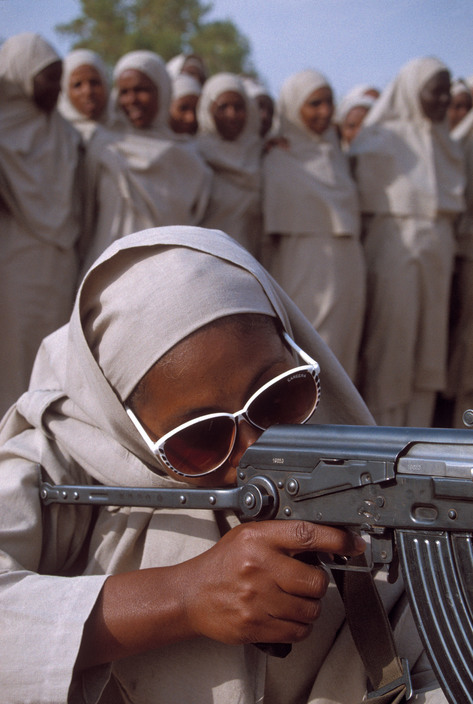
(229, 114)
(435, 97)
(266, 113)
(317, 110)
(182, 114)
(87, 92)
(216, 370)
(460, 104)
(138, 98)
(47, 86)
(352, 123)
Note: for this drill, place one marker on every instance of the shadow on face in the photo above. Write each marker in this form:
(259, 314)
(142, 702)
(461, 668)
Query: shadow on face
(435, 96)
(47, 86)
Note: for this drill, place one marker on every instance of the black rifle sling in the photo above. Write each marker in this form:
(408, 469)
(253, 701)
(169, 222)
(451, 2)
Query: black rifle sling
(373, 636)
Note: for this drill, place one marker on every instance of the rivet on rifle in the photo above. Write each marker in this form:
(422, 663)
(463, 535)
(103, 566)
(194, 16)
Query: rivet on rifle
(287, 511)
(44, 494)
(241, 475)
(380, 501)
(182, 499)
(249, 500)
(75, 495)
(292, 487)
(452, 514)
(64, 494)
(281, 484)
(366, 478)
(212, 500)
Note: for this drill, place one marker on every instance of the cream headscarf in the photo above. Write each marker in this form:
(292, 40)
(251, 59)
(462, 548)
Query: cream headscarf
(184, 84)
(39, 151)
(406, 164)
(73, 60)
(146, 293)
(239, 159)
(307, 187)
(153, 66)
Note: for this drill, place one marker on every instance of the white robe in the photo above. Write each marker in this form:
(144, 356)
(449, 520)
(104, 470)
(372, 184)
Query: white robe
(235, 199)
(54, 560)
(40, 207)
(311, 224)
(410, 178)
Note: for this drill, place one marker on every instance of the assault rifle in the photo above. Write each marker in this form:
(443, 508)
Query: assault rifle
(409, 489)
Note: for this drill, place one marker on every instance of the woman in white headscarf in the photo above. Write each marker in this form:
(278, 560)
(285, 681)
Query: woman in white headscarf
(460, 104)
(311, 218)
(460, 367)
(185, 95)
(84, 92)
(228, 139)
(139, 173)
(140, 604)
(411, 180)
(351, 111)
(189, 64)
(40, 205)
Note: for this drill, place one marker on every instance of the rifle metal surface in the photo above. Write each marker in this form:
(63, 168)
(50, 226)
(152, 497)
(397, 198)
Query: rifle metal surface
(410, 489)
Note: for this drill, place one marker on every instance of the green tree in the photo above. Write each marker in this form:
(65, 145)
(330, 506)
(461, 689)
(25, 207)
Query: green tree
(168, 27)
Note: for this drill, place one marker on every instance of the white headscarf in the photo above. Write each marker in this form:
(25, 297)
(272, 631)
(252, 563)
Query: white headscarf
(351, 101)
(39, 151)
(308, 186)
(235, 204)
(241, 158)
(185, 84)
(146, 293)
(406, 164)
(153, 66)
(73, 60)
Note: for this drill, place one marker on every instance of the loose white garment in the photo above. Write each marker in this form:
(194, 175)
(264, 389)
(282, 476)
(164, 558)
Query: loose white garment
(311, 220)
(170, 282)
(235, 200)
(40, 205)
(139, 178)
(410, 178)
(73, 60)
(460, 371)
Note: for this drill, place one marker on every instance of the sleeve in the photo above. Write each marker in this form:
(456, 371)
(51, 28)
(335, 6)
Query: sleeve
(43, 608)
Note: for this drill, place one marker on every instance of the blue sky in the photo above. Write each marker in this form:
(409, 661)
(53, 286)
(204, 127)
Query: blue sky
(350, 41)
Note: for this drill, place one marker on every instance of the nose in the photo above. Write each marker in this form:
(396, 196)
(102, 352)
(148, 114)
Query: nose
(247, 434)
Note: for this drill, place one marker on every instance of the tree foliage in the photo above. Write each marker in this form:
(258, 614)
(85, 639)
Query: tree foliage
(168, 27)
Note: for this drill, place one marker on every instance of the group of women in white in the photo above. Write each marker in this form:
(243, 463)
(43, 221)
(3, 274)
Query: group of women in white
(361, 213)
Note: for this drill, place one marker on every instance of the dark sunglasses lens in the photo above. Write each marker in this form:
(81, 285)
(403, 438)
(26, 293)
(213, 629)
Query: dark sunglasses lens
(201, 447)
(290, 400)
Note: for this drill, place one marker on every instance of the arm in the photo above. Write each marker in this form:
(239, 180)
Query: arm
(247, 588)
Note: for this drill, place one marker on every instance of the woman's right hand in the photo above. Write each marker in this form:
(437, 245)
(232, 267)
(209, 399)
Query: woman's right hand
(248, 588)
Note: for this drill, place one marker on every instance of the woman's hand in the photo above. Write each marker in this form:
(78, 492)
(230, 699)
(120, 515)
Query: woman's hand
(247, 588)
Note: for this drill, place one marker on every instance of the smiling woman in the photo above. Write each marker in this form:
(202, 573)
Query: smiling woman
(140, 174)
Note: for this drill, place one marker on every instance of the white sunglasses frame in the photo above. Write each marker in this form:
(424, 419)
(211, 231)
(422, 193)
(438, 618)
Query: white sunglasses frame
(156, 448)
